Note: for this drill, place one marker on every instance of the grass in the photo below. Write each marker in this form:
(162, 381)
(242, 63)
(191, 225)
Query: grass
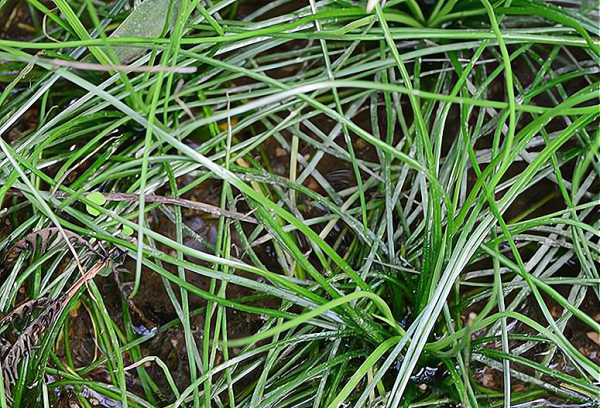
(420, 187)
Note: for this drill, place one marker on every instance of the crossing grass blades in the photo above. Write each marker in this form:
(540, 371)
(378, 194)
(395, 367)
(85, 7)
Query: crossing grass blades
(352, 203)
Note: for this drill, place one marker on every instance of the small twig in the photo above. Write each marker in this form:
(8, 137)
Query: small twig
(194, 205)
(180, 102)
(83, 281)
(44, 30)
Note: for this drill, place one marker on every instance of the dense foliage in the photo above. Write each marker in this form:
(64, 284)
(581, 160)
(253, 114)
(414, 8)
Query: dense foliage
(300, 203)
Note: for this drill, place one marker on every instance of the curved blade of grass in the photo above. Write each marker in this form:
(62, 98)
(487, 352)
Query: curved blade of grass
(305, 317)
(367, 365)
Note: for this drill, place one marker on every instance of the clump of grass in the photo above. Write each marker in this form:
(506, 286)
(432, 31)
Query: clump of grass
(407, 201)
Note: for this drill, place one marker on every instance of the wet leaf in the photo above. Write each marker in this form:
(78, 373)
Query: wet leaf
(147, 21)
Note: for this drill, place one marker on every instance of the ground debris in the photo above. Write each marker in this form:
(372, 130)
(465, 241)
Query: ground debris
(45, 239)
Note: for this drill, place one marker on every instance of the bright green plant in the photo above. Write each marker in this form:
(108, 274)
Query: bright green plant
(423, 179)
